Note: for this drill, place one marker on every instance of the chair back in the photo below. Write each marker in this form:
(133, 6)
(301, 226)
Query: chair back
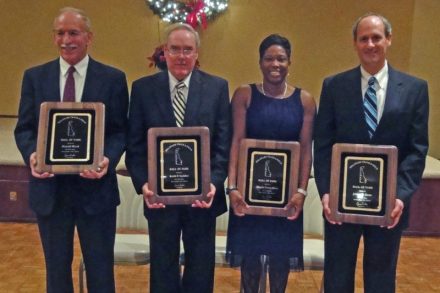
(130, 213)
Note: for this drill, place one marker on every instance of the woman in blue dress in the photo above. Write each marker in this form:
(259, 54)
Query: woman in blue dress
(272, 110)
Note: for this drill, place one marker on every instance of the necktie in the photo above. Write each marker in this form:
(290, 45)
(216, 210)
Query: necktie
(179, 104)
(370, 107)
(69, 87)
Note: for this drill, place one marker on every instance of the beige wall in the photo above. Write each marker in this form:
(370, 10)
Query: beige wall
(425, 62)
(126, 32)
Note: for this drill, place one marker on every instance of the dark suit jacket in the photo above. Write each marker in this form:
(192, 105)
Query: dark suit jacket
(103, 84)
(404, 123)
(207, 105)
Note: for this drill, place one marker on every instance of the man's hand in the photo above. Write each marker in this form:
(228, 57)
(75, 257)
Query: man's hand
(396, 213)
(296, 203)
(326, 209)
(147, 193)
(96, 174)
(33, 164)
(203, 204)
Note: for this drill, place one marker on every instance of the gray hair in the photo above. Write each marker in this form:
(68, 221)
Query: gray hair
(183, 26)
(80, 12)
(387, 25)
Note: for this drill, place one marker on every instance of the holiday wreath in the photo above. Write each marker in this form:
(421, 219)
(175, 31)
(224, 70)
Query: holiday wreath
(193, 12)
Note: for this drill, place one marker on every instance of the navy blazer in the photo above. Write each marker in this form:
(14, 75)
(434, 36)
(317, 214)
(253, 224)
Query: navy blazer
(404, 124)
(103, 84)
(207, 105)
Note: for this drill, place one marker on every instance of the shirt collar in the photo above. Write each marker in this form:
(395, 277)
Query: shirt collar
(380, 76)
(80, 67)
(174, 81)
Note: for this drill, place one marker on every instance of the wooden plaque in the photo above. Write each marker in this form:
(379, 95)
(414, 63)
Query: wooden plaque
(268, 175)
(363, 183)
(70, 137)
(179, 168)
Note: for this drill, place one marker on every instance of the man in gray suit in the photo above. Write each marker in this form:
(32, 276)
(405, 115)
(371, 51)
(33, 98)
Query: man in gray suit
(399, 117)
(207, 104)
(88, 200)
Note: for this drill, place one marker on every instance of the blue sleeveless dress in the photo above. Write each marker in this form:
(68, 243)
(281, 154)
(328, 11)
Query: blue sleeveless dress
(273, 119)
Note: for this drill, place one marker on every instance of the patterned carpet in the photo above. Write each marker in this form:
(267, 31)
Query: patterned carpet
(22, 267)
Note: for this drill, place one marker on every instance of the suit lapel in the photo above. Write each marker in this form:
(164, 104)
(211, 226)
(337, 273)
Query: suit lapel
(194, 99)
(52, 86)
(392, 101)
(354, 89)
(93, 83)
(162, 95)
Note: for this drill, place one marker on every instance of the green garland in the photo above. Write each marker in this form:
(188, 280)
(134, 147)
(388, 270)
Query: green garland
(192, 12)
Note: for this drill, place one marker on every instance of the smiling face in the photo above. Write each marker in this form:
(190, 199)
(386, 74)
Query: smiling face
(371, 44)
(181, 53)
(72, 37)
(275, 65)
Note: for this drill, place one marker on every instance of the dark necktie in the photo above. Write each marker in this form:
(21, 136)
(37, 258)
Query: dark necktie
(370, 107)
(69, 87)
(179, 104)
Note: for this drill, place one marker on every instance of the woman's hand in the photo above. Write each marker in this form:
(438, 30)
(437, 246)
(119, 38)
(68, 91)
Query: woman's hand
(237, 203)
(296, 203)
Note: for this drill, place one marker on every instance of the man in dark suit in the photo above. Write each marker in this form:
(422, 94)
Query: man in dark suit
(207, 104)
(86, 201)
(401, 119)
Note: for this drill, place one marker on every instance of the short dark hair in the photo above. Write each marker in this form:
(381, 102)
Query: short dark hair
(386, 24)
(275, 39)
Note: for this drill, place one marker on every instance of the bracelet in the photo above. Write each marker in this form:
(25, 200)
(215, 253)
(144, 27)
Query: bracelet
(231, 188)
(302, 191)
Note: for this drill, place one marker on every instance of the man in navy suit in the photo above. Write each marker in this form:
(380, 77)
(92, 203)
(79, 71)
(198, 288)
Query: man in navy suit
(207, 104)
(86, 201)
(402, 116)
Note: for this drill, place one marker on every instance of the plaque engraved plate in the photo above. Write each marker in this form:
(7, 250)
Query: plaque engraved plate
(70, 137)
(363, 183)
(178, 164)
(268, 175)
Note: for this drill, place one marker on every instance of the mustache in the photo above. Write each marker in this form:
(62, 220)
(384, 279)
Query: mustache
(68, 46)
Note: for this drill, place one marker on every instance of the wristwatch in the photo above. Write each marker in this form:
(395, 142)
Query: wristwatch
(231, 188)
(302, 191)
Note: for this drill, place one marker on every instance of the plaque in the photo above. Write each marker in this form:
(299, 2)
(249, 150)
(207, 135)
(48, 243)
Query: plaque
(363, 183)
(268, 175)
(70, 137)
(179, 169)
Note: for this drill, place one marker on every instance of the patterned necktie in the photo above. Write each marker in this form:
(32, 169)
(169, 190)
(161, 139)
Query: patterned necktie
(370, 107)
(179, 104)
(69, 87)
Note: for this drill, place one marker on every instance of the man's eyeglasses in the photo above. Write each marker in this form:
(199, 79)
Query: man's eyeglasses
(175, 51)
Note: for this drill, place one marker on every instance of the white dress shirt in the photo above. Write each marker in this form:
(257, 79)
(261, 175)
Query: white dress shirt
(79, 75)
(380, 86)
(174, 81)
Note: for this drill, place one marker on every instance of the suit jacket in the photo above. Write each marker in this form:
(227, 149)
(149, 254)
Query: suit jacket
(103, 84)
(404, 123)
(207, 105)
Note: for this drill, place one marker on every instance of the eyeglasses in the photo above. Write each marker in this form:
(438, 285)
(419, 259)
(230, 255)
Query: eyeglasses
(175, 51)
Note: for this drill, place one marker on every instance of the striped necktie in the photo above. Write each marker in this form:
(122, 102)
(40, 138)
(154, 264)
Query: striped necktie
(179, 104)
(69, 87)
(370, 107)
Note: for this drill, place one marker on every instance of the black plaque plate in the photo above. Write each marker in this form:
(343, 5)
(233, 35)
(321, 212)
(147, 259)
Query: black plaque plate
(178, 164)
(268, 175)
(363, 183)
(70, 137)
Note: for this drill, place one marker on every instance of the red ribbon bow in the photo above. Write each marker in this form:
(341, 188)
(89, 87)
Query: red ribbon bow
(196, 8)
